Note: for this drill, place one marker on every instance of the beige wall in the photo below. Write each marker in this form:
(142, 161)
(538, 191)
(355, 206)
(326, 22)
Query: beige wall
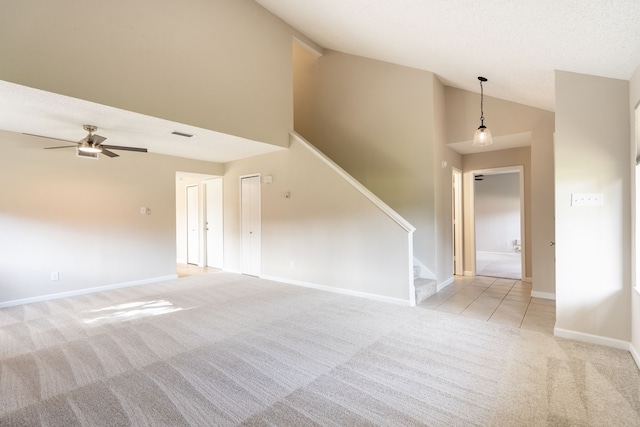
(326, 233)
(443, 185)
(507, 118)
(593, 244)
(634, 100)
(223, 65)
(81, 217)
(376, 120)
(543, 229)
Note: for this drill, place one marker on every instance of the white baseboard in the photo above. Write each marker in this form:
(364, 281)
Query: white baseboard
(634, 354)
(543, 295)
(444, 284)
(382, 298)
(592, 339)
(85, 291)
(527, 279)
(469, 273)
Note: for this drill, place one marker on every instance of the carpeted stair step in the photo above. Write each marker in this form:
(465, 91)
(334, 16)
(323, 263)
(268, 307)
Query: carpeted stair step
(424, 288)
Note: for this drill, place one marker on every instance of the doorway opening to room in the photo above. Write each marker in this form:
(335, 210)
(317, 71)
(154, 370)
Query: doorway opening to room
(497, 226)
(199, 223)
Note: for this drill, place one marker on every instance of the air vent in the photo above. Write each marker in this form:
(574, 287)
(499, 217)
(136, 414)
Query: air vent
(186, 135)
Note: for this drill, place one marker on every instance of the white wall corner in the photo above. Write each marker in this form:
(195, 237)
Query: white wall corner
(634, 354)
(593, 339)
(543, 295)
(444, 284)
(425, 272)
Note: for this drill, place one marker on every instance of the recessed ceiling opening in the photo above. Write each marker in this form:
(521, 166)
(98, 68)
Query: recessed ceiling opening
(186, 135)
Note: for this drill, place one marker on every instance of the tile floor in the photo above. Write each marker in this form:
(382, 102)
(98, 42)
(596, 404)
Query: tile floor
(503, 301)
(185, 270)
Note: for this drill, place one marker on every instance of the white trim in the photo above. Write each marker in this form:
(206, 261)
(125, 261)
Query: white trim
(410, 259)
(529, 280)
(397, 301)
(444, 284)
(86, 291)
(358, 186)
(469, 274)
(543, 295)
(592, 339)
(634, 354)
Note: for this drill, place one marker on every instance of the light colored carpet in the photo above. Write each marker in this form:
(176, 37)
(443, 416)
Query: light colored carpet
(224, 349)
(494, 264)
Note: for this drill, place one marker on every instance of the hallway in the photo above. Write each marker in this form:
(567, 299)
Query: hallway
(502, 301)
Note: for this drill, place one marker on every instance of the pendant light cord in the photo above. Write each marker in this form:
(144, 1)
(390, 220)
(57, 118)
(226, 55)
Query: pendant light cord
(481, 104)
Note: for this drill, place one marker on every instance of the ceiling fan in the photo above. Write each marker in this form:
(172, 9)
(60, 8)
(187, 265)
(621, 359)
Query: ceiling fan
(92, 144)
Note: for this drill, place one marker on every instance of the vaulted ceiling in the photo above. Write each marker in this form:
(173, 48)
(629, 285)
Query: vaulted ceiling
(517, 45)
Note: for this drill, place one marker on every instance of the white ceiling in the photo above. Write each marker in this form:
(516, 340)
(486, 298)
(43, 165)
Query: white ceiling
(33, 111)
(517, 45)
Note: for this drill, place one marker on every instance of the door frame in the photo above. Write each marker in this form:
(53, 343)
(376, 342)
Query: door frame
(470, 216)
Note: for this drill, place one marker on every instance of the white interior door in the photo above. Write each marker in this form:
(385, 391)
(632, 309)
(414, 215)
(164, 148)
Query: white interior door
(193, 234)
(250, 224)
(456, 209)
(214, 224)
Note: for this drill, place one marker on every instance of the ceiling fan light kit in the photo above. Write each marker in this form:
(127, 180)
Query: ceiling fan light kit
(90, 143)
(482, 136)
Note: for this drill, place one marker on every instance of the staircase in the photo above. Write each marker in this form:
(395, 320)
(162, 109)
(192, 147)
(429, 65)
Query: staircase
(424, 287)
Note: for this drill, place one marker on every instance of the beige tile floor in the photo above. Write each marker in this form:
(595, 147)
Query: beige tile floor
(494, 300)
(185, 270)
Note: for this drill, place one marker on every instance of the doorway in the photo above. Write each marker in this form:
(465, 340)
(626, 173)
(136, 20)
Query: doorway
(496, 235)
(250, 224)
(199, 220)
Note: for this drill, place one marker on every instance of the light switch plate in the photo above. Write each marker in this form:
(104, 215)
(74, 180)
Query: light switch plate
(587, 199)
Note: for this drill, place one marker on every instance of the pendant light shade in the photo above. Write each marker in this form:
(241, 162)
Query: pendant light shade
(482, 137)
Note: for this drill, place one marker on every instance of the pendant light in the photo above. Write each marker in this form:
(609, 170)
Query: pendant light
(482, 137)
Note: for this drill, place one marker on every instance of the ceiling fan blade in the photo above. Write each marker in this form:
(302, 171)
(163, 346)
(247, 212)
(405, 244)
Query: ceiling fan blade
(108, 153)
(48, 137)
(119, 147)
(97, 139)
(62, 146)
